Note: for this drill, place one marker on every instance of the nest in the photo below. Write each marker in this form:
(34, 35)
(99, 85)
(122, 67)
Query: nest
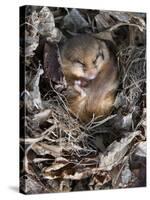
(59, 153)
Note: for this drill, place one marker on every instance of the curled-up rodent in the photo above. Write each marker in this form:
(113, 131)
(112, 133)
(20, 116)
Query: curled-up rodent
(90, 69)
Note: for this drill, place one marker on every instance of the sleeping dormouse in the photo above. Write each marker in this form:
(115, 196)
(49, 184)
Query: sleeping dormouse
(90, 69)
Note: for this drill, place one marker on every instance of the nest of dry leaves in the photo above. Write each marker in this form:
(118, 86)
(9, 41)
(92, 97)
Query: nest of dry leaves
(59, 153)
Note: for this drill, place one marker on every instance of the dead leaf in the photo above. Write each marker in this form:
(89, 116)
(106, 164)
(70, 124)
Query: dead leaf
(52, 69)
(126, 174)
(47, 27)
(43, 149)
(33, 96)
(141, 149)
(74, 21)
(47, 23)
(31, 37)
(115, 152)
(42, 116)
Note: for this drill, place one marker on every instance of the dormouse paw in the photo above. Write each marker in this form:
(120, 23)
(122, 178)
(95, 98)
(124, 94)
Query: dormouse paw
(77, 87)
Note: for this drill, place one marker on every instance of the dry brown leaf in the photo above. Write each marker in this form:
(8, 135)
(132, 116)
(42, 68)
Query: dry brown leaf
(99, 179)
(31, 37)
(47, 27)
(115, 152)
(33, 96)
(43, 149)
(74, 21)
(47, 23)
(141, 149)
(42, 116)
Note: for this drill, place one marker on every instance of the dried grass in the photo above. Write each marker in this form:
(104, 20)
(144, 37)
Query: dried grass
(62, 154)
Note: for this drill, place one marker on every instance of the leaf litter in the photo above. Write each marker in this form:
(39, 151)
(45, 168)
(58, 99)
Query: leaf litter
(60, 153)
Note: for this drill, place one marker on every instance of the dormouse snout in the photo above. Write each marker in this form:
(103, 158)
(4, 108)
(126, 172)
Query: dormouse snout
(91, 74)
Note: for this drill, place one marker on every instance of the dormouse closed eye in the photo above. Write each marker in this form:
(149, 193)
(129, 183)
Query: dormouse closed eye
(79, 63)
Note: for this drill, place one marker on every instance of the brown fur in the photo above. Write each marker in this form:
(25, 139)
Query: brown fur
(100, 91)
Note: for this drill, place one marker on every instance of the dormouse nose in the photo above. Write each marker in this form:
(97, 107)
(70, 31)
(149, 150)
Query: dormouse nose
(91, 74)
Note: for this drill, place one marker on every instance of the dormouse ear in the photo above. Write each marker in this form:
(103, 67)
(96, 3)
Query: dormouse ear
(109, 49)
(104, 51)
(106, 35)
(107, 38)
(111, 46)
